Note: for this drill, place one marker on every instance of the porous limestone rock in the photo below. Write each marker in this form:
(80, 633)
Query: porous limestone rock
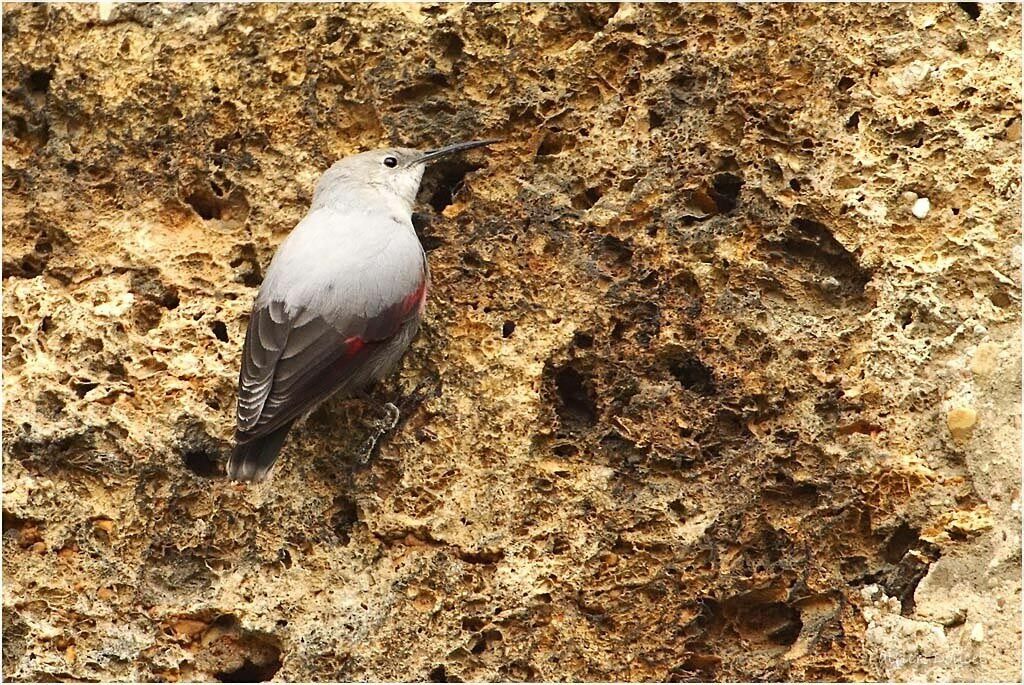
(679, 407)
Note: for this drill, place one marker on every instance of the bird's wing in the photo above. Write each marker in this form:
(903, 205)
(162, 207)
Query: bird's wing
(304, 343)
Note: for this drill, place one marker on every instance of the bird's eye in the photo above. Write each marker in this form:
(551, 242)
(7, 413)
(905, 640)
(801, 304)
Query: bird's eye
(390, 162)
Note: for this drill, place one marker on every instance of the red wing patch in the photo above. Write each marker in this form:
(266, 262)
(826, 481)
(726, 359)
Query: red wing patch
(415, 299)
(312, 361)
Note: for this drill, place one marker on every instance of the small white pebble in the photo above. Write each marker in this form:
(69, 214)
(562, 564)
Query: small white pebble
(921, 207)
(106, 9)
(978, 633)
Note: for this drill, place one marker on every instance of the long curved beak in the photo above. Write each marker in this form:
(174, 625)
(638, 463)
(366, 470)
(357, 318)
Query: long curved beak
(432, 155)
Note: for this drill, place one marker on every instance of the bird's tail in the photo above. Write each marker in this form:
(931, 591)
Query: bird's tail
(252, 460)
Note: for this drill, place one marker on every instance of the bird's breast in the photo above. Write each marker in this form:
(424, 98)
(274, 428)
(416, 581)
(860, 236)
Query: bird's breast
(344, 265)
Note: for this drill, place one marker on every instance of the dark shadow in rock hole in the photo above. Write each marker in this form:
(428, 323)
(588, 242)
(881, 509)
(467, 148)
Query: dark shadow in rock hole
(725, 191)
(445, 181)
(576, 405)
(39, 80)
(692, 374)
(816, 249)
(200, 452)
(220, 330)
(344, 518)
(202, 463)
(973, 9)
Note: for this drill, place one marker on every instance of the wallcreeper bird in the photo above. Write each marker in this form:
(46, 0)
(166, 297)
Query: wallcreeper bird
(340, 303)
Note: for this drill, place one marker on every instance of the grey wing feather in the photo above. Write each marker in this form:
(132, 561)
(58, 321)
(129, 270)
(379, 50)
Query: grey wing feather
(265, 341)
(288, 369)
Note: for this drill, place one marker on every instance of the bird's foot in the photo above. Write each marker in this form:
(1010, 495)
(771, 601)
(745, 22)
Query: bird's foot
(381, 428)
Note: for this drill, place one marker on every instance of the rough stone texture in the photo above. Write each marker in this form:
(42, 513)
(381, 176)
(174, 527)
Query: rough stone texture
(687, 380)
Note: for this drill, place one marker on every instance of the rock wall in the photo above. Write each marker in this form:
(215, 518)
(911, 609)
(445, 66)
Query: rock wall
(719, 378)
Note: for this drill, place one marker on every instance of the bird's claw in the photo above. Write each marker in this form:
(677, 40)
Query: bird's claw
(383, 426)
(391, 418)
(366, 451)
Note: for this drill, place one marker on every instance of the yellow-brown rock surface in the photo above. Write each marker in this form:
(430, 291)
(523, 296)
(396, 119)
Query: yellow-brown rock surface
(683, 388)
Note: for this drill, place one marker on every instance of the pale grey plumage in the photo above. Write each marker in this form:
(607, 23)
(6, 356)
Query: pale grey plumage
(340, 303)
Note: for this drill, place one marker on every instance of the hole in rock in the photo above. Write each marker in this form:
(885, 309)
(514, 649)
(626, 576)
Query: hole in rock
(244, 257)
(245, 656)
(627, 184)
(900, 542)
(774, 622)
(28, 266)
(618, 251)
(553, 144)
(576, 405)
(421, 221)
(973, 9)
(219, 330)
(334, 29)
(439, 674)
(207, 205)
(200, 452)
(845, 83)
(655, 119)
(1000, 299)
(82, 388)
(587, 198)
(651, 280)
(423, 89)
(449, 180)
(814, 246)
(201, 463)
(788, 626)
(345, 517)
(206, 201)
(452, 45)
(483, 557)
(725, 191)
(473, 623)
(565, 450)
(508, 328)
(39, 80)
(692, 374)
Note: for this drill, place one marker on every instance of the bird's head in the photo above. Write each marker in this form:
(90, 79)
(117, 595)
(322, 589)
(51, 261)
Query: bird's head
(393, 172)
